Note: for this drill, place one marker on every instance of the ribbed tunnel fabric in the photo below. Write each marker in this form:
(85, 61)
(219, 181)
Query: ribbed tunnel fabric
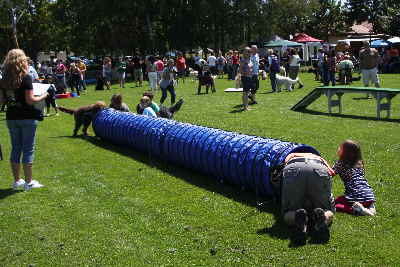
(242, 160)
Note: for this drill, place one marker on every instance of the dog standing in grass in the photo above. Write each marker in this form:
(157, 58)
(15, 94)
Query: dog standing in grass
(84, 115)
(282, 81)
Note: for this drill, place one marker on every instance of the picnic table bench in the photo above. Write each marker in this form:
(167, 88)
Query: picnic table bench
(335, 93)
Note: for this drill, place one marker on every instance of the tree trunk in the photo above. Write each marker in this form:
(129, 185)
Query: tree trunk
(14, 29)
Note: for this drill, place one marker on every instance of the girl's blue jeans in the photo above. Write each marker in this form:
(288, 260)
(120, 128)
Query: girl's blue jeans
(22, 133)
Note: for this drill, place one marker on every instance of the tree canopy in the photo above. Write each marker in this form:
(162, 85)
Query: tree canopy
(121, 26)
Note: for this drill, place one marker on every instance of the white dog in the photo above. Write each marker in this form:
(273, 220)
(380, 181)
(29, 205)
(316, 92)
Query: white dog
(282, 71)
(286, 82)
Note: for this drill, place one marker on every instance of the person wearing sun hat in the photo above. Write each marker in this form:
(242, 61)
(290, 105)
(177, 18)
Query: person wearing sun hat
(369, 60)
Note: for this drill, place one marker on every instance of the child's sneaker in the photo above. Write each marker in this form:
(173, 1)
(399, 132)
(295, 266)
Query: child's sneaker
(19, 183)
(32, 184)
(358, 209)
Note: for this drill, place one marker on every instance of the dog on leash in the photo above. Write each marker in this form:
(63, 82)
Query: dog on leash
(84, 115)
(282, 81)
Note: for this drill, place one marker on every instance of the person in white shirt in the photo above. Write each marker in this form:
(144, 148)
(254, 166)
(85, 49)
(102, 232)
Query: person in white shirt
(221, 62)
(212, 63)
(294, 66)
(32, 72)
(255, 61)
(197, 62)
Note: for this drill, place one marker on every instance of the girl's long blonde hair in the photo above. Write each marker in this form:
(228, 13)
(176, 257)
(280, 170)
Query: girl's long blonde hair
(14, 69)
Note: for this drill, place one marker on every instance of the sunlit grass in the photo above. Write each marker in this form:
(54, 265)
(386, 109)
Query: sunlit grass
(104, 205)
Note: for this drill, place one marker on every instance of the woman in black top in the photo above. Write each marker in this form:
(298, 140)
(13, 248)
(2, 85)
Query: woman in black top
(21, 116)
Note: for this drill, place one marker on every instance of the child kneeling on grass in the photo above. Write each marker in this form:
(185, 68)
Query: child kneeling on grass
(150, 108)
(358, 198)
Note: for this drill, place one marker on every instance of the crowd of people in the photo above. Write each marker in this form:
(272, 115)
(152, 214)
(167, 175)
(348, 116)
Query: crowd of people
(246, 67)
(304, 179)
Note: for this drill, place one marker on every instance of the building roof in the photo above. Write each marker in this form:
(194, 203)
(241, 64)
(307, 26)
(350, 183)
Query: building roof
(362, 28)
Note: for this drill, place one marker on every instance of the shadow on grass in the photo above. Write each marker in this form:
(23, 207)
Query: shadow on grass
(236, 111)
(278, 230)
(267, 93)
(356, 117)
(4, 193)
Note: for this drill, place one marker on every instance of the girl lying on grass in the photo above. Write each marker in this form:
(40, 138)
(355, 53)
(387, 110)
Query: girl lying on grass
(358, 198)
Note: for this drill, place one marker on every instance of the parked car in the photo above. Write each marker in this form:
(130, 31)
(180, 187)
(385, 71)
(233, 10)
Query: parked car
(76, 58)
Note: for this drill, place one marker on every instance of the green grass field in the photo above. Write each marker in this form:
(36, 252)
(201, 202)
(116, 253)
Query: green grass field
(104, 205)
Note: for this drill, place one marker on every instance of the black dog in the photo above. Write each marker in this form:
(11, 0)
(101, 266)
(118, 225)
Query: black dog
(84, 115)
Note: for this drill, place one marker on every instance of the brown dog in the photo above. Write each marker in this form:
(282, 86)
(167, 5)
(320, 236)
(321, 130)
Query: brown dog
(84, 115)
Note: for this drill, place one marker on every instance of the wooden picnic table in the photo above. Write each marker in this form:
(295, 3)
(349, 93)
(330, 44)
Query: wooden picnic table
(335, 93)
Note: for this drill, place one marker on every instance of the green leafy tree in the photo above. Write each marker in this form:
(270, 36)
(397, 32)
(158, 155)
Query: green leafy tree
(328, 19)
(373, 11)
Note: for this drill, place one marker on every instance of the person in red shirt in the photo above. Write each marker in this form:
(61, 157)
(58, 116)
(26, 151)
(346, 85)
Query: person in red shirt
(181, 66)
(160, 68)
(235, 64)
(60, 75)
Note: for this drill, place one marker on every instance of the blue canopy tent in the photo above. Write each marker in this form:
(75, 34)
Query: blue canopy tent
(379, 43)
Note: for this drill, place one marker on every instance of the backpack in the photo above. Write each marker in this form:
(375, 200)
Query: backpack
(275, 64)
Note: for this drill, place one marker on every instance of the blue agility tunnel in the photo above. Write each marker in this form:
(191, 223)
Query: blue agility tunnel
(242, 160)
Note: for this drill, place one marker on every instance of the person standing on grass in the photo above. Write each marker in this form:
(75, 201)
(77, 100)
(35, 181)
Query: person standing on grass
(369, 60)
(107, 72)
(167, 82)
(274, 68)
(82, 67)
(32, 71)
(212, 63)
(294, 66)
(246, 73)
(152, 72)
(130, 69)
(75, 77)
(21, 116)
(255, 61)
(331, 69)
(235, 64)
(60, 71)
(221, 62)
(229, 65)
(137, 70)
(121, 69)
(305, 183)
(160, 68)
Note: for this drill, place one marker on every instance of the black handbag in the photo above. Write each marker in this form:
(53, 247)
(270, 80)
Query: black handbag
(27, 111)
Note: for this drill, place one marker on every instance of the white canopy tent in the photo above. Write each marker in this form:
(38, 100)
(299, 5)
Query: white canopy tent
(394, 40)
